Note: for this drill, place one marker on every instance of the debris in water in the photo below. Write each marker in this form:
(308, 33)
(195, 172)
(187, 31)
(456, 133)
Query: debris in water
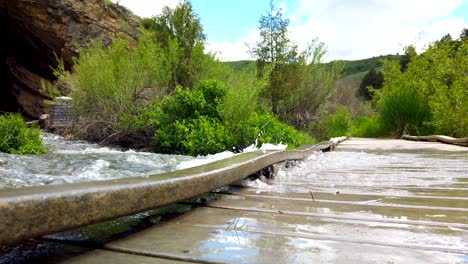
(312, 195)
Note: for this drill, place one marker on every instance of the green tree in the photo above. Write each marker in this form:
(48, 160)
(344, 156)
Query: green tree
(180, 33)
(410, 51)
(275, 53)
(311, 85)
(373, 79)
(431, 95)
(464, 34)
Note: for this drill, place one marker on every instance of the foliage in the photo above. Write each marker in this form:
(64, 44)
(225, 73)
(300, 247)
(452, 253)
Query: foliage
(464, 34)
(270, 130)
(274, 45)
(199, 136)
(374, 79)
(179, 32)
(203, 121)
(298, 82)
(17, 138)
(447, 82)
(367, 127)
(166, 94)
(346, 95)
(241, 99)
(430, 96)
(312, 86)
(276, 51)
(332, 124)
(410, 52)
(403, 111)
(111, 81)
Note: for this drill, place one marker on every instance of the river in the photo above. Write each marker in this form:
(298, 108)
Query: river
(71, 161)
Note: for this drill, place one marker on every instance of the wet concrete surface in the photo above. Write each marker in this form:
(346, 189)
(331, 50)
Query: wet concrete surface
(370, 201)
(30, 212)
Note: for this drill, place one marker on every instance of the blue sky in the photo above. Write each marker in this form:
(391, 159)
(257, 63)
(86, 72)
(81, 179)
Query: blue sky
(229, 20)
(351, 29)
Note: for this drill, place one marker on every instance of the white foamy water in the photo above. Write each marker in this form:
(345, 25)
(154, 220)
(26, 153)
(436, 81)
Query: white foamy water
(78, 161)
(382, 171)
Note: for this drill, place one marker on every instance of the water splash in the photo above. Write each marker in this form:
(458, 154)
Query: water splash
(77, 161)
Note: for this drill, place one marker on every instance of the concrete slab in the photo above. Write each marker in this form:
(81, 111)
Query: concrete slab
(401, 205)
(33, 211)
(348, 209)
(225, 245)
(366, 197)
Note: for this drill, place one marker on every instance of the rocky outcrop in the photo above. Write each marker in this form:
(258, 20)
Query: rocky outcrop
(36, 32)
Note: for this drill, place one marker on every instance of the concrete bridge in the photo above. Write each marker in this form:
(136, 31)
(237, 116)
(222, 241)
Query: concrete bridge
(370, 201)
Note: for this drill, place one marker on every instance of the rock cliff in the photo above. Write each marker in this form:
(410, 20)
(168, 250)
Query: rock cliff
(35, 32)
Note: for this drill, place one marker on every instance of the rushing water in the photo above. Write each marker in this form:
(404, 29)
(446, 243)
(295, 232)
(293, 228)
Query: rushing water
(385, 172)
(75, 161)
(370, 201)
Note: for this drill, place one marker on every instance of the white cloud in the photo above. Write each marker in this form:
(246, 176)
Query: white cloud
(232, 51)
(351, 29)
(145, 8)
(366, 28)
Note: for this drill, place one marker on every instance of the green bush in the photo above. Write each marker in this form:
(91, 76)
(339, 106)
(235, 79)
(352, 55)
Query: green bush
(196, 122)
(270, 130)
(112, 81)
(339, 124)
(403, 111)
(335, 124)
(17, 138)
(367, 127)
(189, 121)
(203, 136)
(430, 96)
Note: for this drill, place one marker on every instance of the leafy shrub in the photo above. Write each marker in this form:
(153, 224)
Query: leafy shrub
(189, 121)
(339, 124)
(403, 111)
(17, 138)
(430, 96)
(203, 136)
(196, 122)
(108, 82)
(335, 124)
(367, 127)
(270, 130)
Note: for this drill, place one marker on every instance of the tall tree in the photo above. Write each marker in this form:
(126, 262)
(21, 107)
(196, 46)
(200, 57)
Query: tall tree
(180, 32)
(275, 51)
(373, 79)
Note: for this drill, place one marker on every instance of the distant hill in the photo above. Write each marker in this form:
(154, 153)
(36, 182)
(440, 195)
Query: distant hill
(240, 65)
(351, 67)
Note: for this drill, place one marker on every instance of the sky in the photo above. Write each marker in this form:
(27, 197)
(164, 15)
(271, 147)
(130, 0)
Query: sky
(351, 29)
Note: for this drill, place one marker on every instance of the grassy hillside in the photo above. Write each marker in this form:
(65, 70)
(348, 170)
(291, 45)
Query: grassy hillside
(352, 67)
(241, 65)
(357, 68)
